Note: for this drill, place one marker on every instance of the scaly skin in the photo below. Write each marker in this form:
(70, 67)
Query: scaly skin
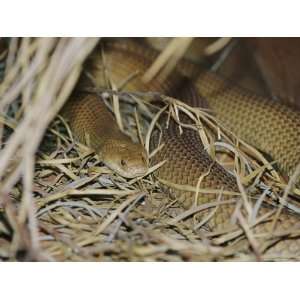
(268, 125)
(94, 126)
(187, 161)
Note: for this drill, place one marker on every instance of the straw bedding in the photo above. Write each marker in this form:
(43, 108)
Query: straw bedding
(58, 202)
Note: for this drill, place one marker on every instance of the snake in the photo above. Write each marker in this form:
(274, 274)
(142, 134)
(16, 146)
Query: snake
(271, 127)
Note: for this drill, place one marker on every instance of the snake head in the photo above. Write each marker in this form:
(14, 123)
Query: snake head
(125, 158)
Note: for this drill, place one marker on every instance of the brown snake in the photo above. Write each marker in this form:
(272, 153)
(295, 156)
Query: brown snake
(257, 120)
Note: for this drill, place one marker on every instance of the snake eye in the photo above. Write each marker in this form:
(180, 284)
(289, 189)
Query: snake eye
(123, 163)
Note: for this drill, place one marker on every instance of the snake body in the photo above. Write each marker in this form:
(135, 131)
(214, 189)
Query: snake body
(255, 119)
(269, 125)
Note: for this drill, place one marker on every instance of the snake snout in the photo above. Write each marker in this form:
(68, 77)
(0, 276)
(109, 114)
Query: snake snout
(129, 168)
(129, 160)
(134, 166)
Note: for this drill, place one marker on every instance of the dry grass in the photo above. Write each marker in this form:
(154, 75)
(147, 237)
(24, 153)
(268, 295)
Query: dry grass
(58, 202)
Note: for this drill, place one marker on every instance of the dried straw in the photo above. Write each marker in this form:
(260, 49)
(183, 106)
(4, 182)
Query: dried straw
(59, 203)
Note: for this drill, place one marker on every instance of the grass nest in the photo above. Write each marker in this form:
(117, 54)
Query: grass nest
(58, 202)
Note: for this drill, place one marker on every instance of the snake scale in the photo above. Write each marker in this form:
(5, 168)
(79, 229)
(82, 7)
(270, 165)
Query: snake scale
(259, 121)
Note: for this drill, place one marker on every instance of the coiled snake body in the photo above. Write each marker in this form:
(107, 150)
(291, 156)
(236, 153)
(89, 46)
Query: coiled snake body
(257, 120)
